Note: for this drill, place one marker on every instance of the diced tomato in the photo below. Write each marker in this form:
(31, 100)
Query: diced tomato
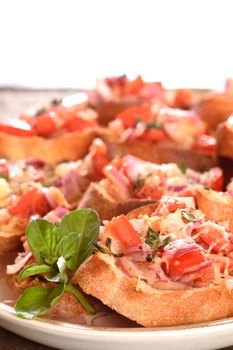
(205, 275)
(18, 128)
(206, 144)
(44, 125)
(150, 192)
(4, 170)
(184, 260)
(153, 135)
(31, 202)
(77, 124)
(133, 86)
(212, 235)
(214, 179)
(183, 98)
(130, 116)
(169, 205)
(99, 161)
(122, 230)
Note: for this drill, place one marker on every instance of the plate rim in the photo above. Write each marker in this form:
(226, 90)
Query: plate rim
(7, 313)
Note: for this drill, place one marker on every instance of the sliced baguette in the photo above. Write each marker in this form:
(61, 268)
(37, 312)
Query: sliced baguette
(217, 206)
(215, 108)
(162, 152)
(97, 198)
(225, 139)
(70, 146)
(136, 300)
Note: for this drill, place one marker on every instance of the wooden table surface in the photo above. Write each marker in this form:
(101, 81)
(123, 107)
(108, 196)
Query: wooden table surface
(13, 102)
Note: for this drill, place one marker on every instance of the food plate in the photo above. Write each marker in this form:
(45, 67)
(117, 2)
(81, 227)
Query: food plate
(105, 331)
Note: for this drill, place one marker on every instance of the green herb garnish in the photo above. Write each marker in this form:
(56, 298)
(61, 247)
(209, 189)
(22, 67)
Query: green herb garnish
(154, 125)
(59, 250)
(137, 185)
(106, 249)
(153, 239)
(188, 216)
(183, 167)
(56, 101)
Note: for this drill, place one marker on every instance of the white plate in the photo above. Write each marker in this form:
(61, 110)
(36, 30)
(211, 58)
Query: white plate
(102, 336)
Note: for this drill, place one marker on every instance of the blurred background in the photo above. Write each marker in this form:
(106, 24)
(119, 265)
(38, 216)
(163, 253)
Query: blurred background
(68, 43)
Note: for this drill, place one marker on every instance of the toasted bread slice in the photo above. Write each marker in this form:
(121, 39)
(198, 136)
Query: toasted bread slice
(69, 146)
(162, 152)
(147, 306)
(215, 108)
(97, 198)
(217, 206)
(225, 139)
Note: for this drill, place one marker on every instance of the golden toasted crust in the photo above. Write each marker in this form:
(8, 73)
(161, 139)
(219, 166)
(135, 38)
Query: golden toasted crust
(224, 137)
(150, 307)
(70, 146)
(217, 206)
(10, 242)
(97, 198)
(162, 152)
(214, 108)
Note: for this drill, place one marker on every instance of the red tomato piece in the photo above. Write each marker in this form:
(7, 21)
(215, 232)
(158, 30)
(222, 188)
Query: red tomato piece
(150, 192)
(214, 179)
(212, 235)
(206, 144)
(44, 125)
(31, 202)
(99, 161)
(153, 135)
(169, 205)
(18, 128)
(133, 86)
(4, 170)
(77, 124)
(122, 230)
(131, 115)
(184, 260)
(205, 275)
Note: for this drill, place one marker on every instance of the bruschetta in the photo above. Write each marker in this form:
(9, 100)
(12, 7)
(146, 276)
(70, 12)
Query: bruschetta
(215, 107)
(217, 206)
(129, 182)
(115, 94)
(59, 132)
(166, 268)
(161, 135)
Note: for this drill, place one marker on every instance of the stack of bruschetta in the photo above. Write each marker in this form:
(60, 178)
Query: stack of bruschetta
(123, 194)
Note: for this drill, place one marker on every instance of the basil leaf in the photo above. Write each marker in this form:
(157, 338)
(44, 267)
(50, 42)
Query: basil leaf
(183, 167)
(37, 301)
(32, 270)
(67, 245)
(74, 291)
(188, 216)
(86, 223)
(42, 239)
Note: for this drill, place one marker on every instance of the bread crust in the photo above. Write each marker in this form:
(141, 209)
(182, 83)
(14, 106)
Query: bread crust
(217, 206)
(150, 307)
(10, 242)
(162, 152)
(70, 146)
(224, 137)
(215, 108)
(107, 207)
